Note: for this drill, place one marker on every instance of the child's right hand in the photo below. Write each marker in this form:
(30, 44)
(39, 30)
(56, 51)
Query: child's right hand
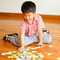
(21, 49)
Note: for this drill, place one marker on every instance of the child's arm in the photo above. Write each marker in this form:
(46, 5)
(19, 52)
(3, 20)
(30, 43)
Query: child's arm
(22, 33)
(22, 40)
(40, 38)
(22, 43)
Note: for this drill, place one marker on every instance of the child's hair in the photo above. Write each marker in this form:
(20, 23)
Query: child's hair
(28, 6)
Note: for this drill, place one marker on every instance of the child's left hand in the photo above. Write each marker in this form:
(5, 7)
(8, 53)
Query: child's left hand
(40, 44)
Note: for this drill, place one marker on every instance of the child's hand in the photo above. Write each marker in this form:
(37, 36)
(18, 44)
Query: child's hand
(21, 49)
(40, 44)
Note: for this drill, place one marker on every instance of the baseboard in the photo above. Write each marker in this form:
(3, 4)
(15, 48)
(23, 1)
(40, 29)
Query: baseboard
(19, 16)
(13, 16)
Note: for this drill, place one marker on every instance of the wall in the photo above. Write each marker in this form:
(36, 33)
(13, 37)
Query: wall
(45, 7)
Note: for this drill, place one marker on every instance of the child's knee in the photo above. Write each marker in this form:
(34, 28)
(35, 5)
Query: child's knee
(49, 39)
(46, 38)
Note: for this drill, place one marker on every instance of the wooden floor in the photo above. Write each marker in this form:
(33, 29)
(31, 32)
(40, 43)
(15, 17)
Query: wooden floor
(13, 26)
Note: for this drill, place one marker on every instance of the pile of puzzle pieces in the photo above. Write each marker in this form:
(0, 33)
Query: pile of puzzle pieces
(27, 54)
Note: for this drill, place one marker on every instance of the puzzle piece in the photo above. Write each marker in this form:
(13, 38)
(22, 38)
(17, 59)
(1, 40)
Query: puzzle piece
(58, 58)
(39, 59)
(25, 55)
(29, 53)
(10, 56)
(14, 55)
(9, 53)
(34, 51)
(38, 53)
(34, 58)
(4, 53)
(22, 56)
(32, 48)
(18, 59)
(49, 45)
(24, 52)
(41, 56)
(29, 47)
(27, 59)
(19, 54)
(49, 54)
(37, 47)
(28, 56)
(14, 52)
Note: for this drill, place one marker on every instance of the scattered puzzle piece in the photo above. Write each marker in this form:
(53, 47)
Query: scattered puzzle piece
(14, 55)
(37, 47)
(49, 45)
(27, 59)
(41, 56)
(3, 53)
(29, 47)
(49, 54)
(24, 52)
(18, 59)
(39, 59)
(34, 51)
(38, 53)
(28, 56)
(9, 53)
(34, 58)
(10, 56)
(25, 55)
(58, 58)
(29, 53)
(20, 54)
(32, 48)
(14, 52)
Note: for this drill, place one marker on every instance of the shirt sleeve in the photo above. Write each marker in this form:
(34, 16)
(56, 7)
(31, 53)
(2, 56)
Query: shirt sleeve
(22, 27)
(40, 23)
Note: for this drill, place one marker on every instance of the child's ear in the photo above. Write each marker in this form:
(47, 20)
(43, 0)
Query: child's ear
(35, 13)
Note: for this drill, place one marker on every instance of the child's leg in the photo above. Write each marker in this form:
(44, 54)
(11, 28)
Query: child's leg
(16, 40)
(45, 38)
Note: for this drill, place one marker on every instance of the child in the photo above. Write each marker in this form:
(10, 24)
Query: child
(30, 28)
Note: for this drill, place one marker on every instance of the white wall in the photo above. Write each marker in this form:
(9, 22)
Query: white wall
(47, 7)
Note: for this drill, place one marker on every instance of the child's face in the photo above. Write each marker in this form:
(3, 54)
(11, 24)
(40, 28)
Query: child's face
(29, 16)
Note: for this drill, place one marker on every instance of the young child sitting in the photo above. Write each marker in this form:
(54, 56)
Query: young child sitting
(31, 28)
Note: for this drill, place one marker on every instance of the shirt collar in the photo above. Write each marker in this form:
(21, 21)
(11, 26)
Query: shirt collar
(35, 17)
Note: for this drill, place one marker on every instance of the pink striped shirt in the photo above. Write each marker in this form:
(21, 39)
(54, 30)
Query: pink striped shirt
(31, 29)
